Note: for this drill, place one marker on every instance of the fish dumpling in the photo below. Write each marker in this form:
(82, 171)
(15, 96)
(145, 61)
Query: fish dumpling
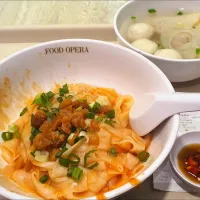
(168, 53)
(145, 45)
(140, 31)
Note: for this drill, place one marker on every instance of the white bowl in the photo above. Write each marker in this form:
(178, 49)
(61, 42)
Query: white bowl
(175, 70)
(102, 64)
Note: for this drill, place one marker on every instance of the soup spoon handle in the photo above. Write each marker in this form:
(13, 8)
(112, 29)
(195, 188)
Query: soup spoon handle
(150, 109)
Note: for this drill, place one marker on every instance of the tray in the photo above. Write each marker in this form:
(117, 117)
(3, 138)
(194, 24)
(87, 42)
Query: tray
(16, 38)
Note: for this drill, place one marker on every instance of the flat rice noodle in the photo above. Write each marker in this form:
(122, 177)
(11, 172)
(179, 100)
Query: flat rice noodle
(104, 139)
(12, 186)
(10, 150)
(130, 161)
(95, 181)
(44, 190)
(73, 148)
(58, 171)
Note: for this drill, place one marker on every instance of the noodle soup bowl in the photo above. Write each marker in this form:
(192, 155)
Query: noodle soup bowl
(177, 70)
(38, 68)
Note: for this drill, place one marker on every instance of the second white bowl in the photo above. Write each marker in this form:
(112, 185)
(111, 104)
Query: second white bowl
(175, 70)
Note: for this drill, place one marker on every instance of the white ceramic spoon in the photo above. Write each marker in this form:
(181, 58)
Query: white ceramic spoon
(150, 109)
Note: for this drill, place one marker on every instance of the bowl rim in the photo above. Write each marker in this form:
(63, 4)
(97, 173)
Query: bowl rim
(157, 162)
(176, 169)
(138, 50)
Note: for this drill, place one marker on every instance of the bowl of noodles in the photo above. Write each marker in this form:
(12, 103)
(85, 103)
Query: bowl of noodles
(64, 121)
(166, 33)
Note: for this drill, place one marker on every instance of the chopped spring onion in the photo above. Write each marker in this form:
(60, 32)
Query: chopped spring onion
(42, 99)
(23, 111)
(63, 90)
(96, 107)
(85, 160)
(93, 165)
(77, 174)
(7, 136)
(50, 94)
(143, 156)
(33, 153)
(179, 13)
(152, 10)
(70, 137)
(198, 51)
(34, 132)
(44, 179)
(12, 128)
(78, 138)
(112, 152)
(59, 99)
(90, 115)
(51, 114)
(72, 155)
(110, 114)
(64, 162)
(109, 121)
(69, 96)
(70, 170)
(133, 17)
(41, 156)
(99, 119)
(59, 154)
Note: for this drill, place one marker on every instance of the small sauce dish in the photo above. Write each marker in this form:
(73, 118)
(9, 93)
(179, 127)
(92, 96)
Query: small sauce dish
(185, 158)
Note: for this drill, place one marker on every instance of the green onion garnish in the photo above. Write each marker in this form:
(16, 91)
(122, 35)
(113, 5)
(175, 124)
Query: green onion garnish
(93, 165)
(90, 115)
(64, 162)
(152, 10)
(59, 154)
(12, 128)
(85, 160)
(44, 179)
(72, 155)
(99, 119)
(133, 17)
(112, 152)
(179, 13)
(63, 90)
(109, 121)
(96, 107)
(50, 94)
(77, 174)
(23, 111)
(198, 51)
(59, 99)
(33, 153)
(70, 170)
(42, 99)
(7, 136)
(34, 132)
(78, 138)
(69, 96)
(143, 156)
(110, 114)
